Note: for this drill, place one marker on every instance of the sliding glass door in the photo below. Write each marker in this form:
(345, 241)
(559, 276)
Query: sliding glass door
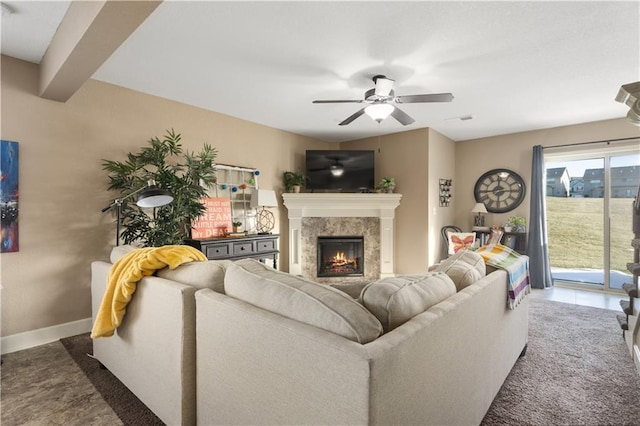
(589, 196)
(625, 180)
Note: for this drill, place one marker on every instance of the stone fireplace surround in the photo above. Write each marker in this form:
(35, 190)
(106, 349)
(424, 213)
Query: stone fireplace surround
(340, 211)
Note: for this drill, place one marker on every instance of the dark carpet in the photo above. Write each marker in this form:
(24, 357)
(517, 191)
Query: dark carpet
(125, 404)
(577, 371)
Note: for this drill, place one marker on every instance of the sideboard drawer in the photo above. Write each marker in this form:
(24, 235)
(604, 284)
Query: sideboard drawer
(242, 248)
(267, 245)
(218, 251)
(256, 246)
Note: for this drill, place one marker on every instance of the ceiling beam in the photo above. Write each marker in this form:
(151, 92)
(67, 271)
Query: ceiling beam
(87, 36)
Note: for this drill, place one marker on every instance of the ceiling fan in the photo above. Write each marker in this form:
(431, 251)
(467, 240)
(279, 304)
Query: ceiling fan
(379, 99)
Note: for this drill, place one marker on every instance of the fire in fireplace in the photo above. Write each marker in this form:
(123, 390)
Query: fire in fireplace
(340, 256)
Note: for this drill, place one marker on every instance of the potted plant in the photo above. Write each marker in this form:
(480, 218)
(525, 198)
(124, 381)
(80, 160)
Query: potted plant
(237, 226)
(293, 181)
(515, 224)
(181, 173)
(388, 184)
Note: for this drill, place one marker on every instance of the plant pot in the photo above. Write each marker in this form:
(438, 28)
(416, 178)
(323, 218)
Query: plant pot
(295, 189)
(237, 229)
(508, 229)
(389, 190)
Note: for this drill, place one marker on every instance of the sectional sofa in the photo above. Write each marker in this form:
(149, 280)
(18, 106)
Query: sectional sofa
(241, 343)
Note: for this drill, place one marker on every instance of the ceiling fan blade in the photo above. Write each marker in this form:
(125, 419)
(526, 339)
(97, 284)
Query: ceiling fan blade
(352, 117)
(402, 116)
(383, 85)
(433, 97)
(338, 101)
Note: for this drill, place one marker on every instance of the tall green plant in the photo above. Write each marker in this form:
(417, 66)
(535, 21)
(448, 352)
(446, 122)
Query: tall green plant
(182, 173)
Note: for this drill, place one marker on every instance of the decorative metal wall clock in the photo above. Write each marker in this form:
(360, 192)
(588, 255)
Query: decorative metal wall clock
(500, 190)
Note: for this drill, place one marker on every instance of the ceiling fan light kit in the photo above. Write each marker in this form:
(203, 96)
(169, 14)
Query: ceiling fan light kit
(379, 112)
(380, 97)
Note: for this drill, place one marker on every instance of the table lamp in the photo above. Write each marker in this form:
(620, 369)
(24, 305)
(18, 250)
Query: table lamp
(263, 198)
(479, 209)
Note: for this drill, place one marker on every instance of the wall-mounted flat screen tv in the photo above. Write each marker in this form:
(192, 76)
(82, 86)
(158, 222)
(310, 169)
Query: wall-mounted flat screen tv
(340, 171)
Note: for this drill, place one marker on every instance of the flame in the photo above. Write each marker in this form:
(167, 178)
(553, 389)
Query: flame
(341, 259)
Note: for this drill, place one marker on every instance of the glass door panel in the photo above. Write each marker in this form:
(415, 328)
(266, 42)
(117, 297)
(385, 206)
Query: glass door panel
(575, 220)
(625, 179)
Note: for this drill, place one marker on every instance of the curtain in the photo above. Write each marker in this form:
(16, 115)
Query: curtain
(537, 246)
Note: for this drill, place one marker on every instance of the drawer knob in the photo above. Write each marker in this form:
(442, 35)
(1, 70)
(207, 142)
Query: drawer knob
(242, 248)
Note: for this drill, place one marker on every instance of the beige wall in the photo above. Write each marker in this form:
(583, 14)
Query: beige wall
(415, 159)
(514, 151)
(63, 188)
(442, 165)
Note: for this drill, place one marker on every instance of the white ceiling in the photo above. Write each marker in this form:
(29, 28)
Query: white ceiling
(513, 66)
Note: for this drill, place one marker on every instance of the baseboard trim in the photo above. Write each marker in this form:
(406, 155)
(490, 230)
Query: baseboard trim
(41, 336)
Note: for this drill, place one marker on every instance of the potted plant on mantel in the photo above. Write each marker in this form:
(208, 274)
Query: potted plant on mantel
(293, 181)
(388, 184)
(172, 169)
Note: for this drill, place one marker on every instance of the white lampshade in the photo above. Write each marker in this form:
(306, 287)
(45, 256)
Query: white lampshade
(263, 198)
(479, 208)
(379, 112)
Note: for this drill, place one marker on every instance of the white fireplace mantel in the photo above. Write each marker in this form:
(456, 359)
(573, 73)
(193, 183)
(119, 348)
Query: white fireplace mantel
(381, 206)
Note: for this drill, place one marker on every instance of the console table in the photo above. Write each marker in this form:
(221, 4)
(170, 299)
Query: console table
(515, 240)
(234, 248)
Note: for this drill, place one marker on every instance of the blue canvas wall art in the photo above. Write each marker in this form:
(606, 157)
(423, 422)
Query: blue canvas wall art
(9, 196)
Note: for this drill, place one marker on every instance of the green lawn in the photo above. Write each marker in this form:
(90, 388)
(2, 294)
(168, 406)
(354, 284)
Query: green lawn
(575, 227)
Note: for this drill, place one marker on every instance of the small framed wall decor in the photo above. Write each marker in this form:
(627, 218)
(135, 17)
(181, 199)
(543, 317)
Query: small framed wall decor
(445, 192)
(510, 241)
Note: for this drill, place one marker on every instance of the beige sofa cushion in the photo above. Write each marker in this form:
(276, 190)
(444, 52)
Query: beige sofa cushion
(396, 300)
(209, 274)
(464, 268)
(119, 251)
(352, 288)
(301, 300)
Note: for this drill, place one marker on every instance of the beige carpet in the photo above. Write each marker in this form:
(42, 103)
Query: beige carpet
(577, 371)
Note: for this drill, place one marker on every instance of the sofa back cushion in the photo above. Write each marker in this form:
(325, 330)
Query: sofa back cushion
(119, 251)
(208, 274)
(464, 268)
(396, 300)
(301, 300)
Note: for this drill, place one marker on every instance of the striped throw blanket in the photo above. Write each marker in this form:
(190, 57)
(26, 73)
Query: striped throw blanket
(517, 267)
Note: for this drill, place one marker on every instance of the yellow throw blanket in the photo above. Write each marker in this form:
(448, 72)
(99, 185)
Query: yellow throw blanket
(124, 276)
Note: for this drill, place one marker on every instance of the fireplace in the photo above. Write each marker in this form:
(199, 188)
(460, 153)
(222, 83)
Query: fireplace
(340, 256)
(369, 215)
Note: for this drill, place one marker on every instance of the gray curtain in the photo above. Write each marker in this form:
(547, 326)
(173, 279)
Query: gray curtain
(537, 246)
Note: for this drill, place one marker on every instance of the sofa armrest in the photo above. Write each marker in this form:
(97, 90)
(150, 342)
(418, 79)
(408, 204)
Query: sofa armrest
(153, 350)
(456, 355)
